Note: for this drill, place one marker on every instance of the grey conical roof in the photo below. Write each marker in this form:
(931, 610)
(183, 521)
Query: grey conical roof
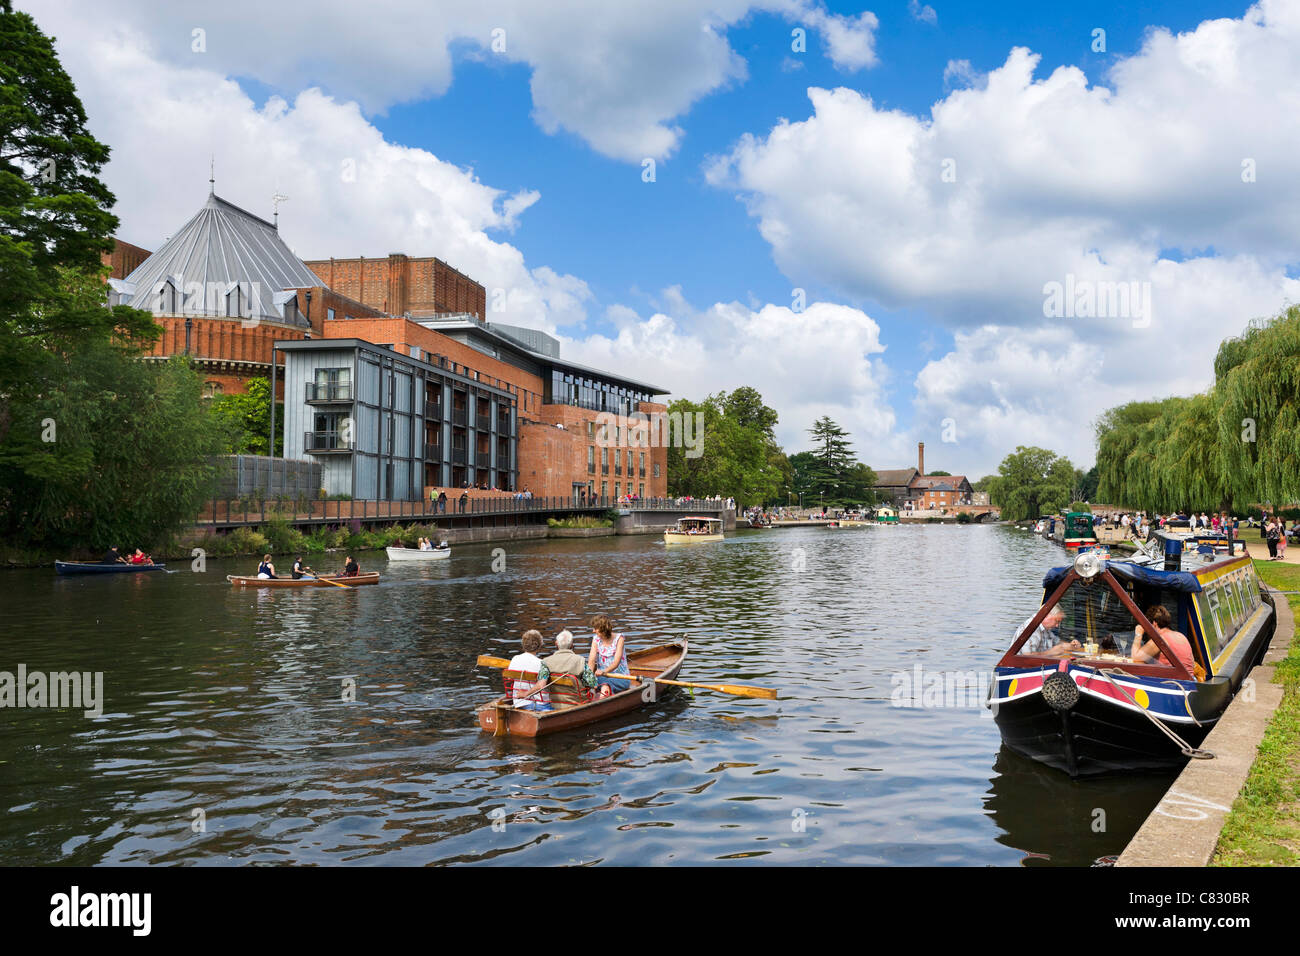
(221, 246)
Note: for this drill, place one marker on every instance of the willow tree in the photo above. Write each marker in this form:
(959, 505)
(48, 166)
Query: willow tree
(1124, 455)
(1258, 410)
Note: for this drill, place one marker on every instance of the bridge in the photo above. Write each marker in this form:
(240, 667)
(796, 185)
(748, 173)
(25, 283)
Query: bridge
(482, 510)
(977, 513)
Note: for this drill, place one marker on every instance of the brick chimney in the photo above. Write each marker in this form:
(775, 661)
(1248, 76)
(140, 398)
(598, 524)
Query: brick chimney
(920, 457)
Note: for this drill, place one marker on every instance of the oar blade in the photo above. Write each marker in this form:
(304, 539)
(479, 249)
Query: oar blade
(767, 693)
(485, 660)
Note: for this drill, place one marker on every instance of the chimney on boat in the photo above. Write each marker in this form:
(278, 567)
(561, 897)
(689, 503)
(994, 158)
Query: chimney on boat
(920, 457)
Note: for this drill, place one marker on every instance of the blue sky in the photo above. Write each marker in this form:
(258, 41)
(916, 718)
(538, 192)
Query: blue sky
(914, 330)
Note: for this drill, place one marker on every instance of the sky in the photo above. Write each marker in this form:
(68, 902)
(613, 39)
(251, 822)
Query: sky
(972, 225)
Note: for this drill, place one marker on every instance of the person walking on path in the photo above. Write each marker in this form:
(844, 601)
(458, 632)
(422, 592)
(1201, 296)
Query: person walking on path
(1271, 536)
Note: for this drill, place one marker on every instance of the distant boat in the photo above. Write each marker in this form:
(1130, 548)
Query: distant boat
(322, 581)
(886, 516)
(417, 554)
(1077, 531)
(694, 530)
(90, 567)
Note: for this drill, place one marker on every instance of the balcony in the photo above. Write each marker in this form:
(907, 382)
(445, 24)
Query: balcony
(432, 451)
(433, 411)
(459, 456)
(459, 416)
(591, 467)
(483, 423)
(319, 393)
(320, 443)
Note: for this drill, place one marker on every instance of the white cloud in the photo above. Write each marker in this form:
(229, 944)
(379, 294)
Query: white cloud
(351, 191)
(922, 12)
(825, 360)
(967, 213)
(960, 73)
(619, 76)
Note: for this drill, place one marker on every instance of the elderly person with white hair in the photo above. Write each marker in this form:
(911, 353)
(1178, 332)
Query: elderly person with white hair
(564, 661)
(1043, 642)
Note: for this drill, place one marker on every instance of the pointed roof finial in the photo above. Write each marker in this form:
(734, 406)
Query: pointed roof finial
(212, 176)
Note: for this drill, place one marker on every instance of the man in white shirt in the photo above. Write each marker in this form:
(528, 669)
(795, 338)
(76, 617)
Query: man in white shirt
(528, 662)
(1043, 642)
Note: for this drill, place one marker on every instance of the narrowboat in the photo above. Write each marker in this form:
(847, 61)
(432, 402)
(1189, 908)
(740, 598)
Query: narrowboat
(694, 530)
(1085, 701)
(1076, 531)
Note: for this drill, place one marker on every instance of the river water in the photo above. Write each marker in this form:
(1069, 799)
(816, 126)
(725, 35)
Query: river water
(225, 736)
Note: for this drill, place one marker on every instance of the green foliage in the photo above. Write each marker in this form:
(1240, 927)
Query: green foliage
(245, 420)
(104, 449)
(963, 517)
(581, 521)
(740, 456)
(829, 472)
(1238, 442)
(55, 214)
(1081, 506)
(1031, 481)
(938, 474)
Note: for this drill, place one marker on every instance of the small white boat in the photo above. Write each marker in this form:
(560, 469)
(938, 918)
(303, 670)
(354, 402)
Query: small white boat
(694, 530)
(416, 554)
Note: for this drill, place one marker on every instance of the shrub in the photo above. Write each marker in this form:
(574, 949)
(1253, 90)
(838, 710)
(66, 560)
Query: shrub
(246, 541)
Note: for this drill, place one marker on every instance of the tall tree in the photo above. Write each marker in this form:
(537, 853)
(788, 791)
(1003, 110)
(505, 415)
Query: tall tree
(1032, 481)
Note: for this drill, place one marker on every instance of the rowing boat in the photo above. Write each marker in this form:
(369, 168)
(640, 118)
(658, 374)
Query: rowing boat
(663, 660)
(90, 567)
(253, 581)
(417, 554)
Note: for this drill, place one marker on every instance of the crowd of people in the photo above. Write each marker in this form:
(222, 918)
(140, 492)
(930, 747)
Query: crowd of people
(598, 671)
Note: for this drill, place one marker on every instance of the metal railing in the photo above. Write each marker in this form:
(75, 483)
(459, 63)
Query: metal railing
(227, 512)
(433, 410)
(432, 451)
(459, 456)
(328, 393)
(459, 416)
(325, 441)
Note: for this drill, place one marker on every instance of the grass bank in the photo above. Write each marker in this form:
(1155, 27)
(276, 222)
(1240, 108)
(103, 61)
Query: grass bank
(1263, 828)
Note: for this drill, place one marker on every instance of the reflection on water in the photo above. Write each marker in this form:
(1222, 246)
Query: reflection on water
(228, 735)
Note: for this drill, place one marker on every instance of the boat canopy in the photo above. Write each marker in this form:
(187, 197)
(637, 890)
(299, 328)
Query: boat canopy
(1126, 570)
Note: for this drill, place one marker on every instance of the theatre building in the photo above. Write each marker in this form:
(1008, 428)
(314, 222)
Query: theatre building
(401, 408)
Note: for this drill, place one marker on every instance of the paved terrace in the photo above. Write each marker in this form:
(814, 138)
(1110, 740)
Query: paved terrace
(482, 509)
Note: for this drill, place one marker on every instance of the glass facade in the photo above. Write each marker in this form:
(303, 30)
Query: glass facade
(565, 388)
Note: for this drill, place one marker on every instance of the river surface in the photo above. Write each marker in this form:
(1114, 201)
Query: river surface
(226, 736)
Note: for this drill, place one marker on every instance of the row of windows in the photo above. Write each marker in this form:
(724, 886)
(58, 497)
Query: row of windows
(618, 462)
(1225, 604)
(567, 389)
(619, 489)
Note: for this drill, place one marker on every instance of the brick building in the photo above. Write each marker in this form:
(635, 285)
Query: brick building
(912, 489)
(402, 285)
(399, 349)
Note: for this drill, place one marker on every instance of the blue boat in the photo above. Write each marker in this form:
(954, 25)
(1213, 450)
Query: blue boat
(92, 567)
(1095, 709)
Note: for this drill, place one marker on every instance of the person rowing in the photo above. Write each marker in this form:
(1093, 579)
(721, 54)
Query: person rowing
(112, 557)
(301, 570)
(350, 568)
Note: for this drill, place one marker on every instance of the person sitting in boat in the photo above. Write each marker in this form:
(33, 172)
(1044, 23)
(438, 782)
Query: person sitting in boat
(607, 656)
(266, 569)
(1044, 642)
(564, 661)
(350, 568)
(529, 695)
(300, 570)
(112, 557)
(1150, 653)
(426, 544)
(442, 545)
(140, 558)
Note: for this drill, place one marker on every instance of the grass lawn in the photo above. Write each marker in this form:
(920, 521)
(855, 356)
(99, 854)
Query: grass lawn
(1263, 828)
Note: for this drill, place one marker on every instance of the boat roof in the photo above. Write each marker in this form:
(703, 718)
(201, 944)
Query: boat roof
(698, 518)
(1128, 571)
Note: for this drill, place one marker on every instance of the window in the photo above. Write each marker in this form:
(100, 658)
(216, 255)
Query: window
(591, 430)
(591, 459)
(604, 489)
(604, 462)
(211, 389)
(640, 491)
(656, 469)
(641, 471)
(329, 313)
(616, 489)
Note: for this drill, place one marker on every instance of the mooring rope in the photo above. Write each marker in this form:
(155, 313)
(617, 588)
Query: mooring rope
(1187, 749)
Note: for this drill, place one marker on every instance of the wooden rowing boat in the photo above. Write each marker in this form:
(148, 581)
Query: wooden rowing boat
(663, 660)
(253, 581)
(89, 567)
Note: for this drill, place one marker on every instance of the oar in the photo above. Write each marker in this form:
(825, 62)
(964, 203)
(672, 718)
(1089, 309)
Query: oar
(737, 689)
(317, 577)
